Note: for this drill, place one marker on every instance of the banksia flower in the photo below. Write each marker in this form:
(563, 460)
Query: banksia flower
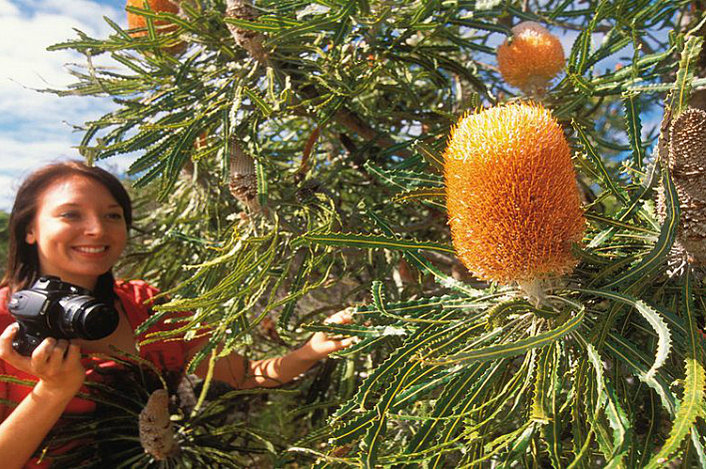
(511, 195)
(530, 58)
(687, 164)
(135, 21)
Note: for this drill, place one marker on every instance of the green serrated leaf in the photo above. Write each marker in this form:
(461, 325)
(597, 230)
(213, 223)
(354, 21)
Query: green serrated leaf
(356, 240)
(578, 58)
(422, 193)
(515, 348)
(679, 98)
(634, 128)
(654, 260)
(464, 383)
(663, 334)
(597, 162)
(691, 403)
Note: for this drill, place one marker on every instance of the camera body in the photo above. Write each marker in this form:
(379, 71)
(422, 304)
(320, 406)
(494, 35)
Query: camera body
(52, 308)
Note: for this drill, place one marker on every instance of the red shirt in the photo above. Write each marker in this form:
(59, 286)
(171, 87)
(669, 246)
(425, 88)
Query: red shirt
(167, 356)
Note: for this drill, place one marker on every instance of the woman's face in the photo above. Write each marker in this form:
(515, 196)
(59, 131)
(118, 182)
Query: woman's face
(79, 230)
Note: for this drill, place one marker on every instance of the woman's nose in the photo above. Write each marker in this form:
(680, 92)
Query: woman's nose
(94, 226)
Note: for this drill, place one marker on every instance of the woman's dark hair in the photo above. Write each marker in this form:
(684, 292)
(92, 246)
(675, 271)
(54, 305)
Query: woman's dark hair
(22, 258)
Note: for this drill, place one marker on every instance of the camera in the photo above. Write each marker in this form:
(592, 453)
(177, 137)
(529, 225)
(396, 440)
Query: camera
(52, 308)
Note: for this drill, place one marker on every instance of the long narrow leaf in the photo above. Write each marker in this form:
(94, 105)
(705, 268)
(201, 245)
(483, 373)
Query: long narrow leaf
(691, 404)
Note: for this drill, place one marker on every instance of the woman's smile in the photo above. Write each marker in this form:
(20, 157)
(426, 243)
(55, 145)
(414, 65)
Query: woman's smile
(79, 231)
(92, 250)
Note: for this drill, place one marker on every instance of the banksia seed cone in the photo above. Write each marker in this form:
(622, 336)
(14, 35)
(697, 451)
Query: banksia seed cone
(249, 40)
(243, 180)
(511, 194)
(156, 431)
(530, 58)
(687, 164)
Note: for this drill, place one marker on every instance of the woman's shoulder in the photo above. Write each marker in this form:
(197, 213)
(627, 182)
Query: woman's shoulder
(4, 296)
(138, 291)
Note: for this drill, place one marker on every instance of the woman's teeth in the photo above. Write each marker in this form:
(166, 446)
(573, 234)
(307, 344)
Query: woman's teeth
(91, 250)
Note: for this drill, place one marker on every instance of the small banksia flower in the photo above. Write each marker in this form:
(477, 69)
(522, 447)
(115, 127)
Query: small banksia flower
(687, 164)
(511, 195)
(530, 58)
(135, 21)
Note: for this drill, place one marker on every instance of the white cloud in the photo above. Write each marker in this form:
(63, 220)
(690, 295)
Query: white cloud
(7, 8)
(9, 185)
(86, 12)
(20, 158)
(35, 127)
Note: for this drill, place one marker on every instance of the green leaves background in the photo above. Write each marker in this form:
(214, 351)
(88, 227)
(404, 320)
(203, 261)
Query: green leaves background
(449, 372)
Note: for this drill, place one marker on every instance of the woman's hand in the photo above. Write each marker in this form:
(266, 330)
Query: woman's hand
(56, 363)
(272, 372)
(321, 345)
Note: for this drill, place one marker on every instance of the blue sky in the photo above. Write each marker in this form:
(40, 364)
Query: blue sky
(36, 128)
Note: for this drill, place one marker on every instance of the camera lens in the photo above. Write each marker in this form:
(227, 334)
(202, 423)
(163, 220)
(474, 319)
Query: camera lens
(87, 318)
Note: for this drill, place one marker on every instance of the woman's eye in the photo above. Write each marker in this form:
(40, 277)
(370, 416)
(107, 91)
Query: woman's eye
(70, 215)
(115, 216)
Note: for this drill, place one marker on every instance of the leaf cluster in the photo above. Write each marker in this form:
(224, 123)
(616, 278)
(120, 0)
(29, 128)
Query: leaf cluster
(346, 119)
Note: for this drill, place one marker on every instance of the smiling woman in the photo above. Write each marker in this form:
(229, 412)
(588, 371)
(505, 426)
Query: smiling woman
(60, 209)
(72, 221)
(79, 230)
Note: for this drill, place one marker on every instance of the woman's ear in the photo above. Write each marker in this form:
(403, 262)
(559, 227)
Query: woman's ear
(30, 238)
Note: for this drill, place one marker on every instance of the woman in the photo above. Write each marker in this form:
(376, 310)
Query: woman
(71, 220)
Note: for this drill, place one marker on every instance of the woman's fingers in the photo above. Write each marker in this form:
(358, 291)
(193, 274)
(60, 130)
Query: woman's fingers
(73, 352)
(40, 355)
(7, 352)
(59, 352)
(343, 342)
(56, 363)
(6, 340)
(348, 341)
(342, 317)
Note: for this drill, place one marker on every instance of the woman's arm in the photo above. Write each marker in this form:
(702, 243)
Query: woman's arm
(57, 364)
(240, 373)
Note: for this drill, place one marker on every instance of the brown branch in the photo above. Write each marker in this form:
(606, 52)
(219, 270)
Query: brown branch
(304, 166)
(252, 42)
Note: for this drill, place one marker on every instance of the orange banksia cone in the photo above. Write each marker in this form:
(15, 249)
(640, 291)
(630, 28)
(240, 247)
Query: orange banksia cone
(135, 21)
(511, 195)
(530, 58)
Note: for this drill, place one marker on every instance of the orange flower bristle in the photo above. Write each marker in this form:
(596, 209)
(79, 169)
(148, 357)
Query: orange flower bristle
(135, 21)
(530, 58)
(511, 194)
